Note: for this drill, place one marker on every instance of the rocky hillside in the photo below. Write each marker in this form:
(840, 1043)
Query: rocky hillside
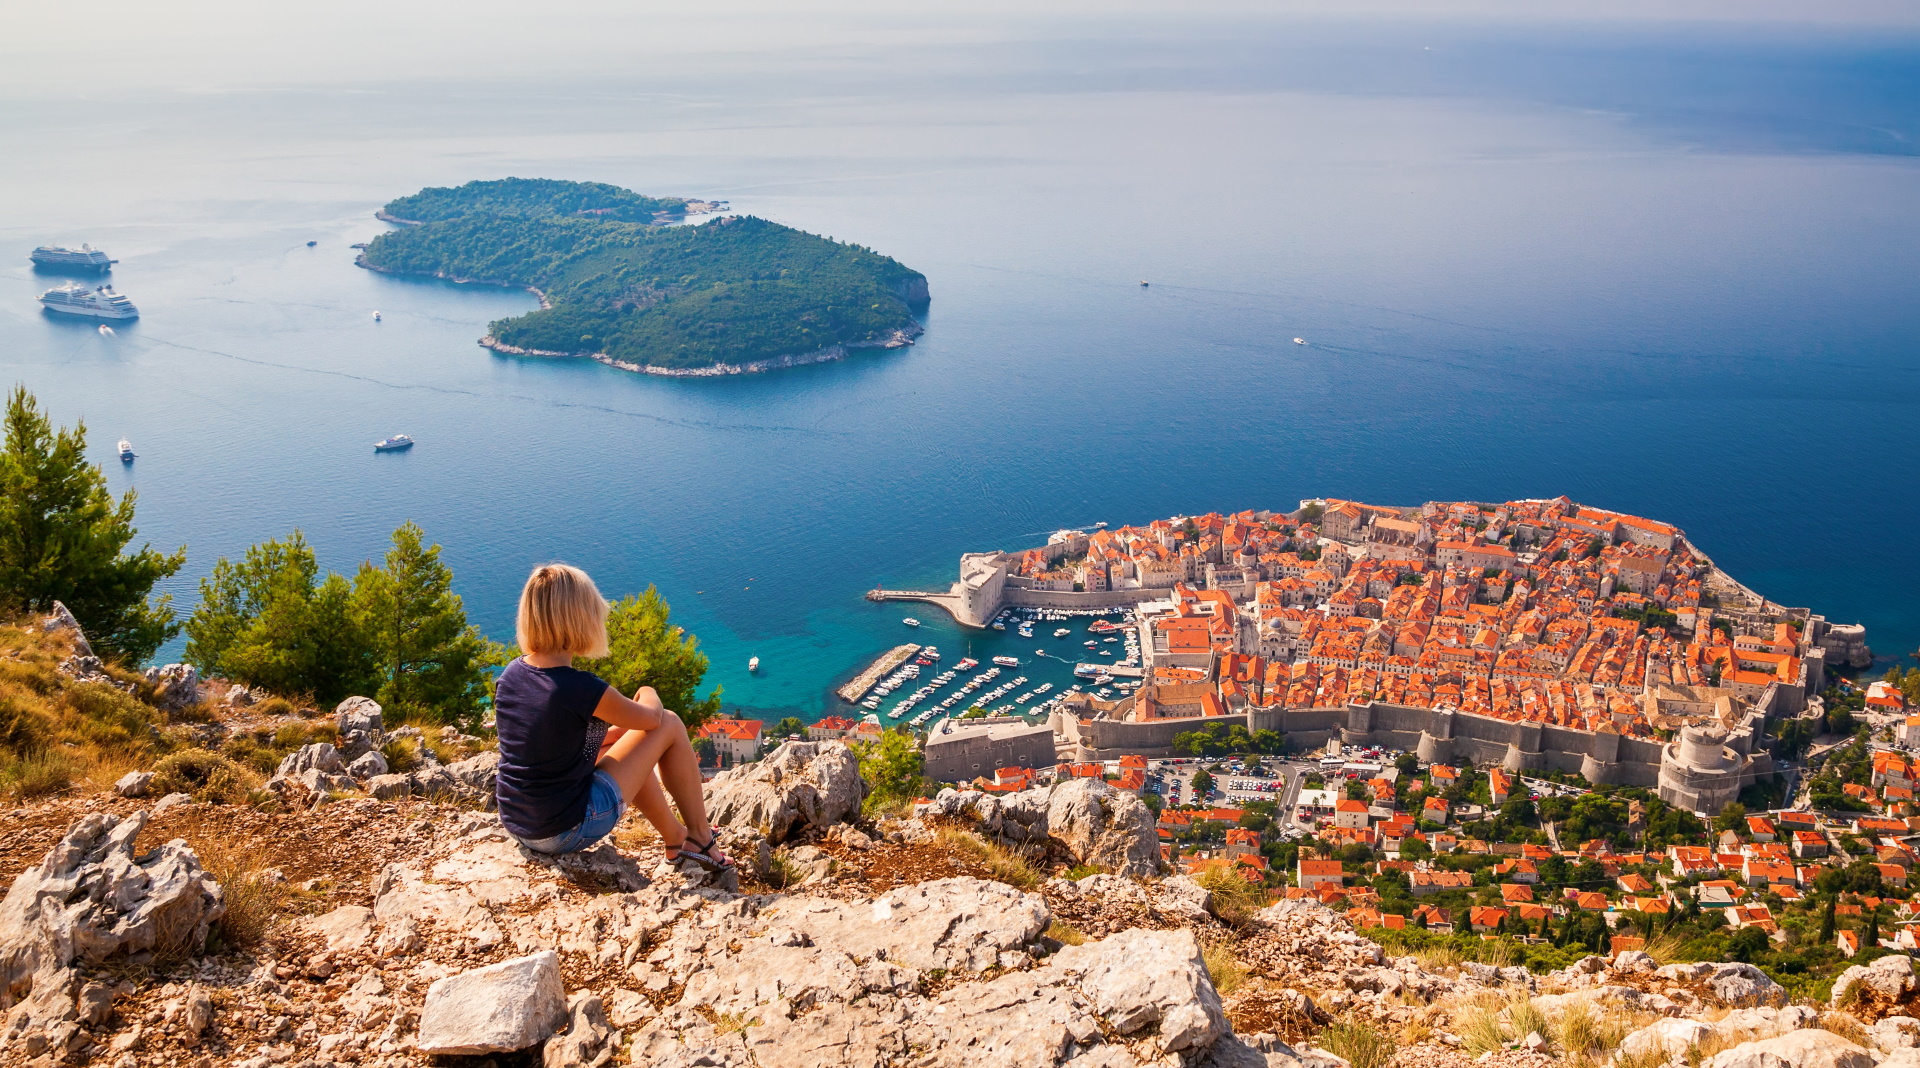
(349, 914)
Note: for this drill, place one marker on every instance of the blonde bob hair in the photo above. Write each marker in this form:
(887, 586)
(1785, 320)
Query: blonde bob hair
(561, 611)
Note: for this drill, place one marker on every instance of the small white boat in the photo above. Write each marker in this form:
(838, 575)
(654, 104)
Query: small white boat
(393, 444)
(1143, 283)
(105, 330)
(376, 317)
(911, 622)
(1299, 341)
(753, 665)
(1006, 661)
(1062, 632)
(126, 448)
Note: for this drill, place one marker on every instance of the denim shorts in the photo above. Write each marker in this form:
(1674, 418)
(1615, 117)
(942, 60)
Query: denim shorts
(604, 809)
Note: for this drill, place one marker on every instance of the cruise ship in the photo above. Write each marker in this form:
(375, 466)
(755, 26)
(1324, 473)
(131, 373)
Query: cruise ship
(101, 302)
(85, 258)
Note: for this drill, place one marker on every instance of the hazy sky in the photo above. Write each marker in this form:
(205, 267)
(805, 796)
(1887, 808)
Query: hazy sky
(210, 43)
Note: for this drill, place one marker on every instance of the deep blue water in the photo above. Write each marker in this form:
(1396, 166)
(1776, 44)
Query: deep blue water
(1664, 270)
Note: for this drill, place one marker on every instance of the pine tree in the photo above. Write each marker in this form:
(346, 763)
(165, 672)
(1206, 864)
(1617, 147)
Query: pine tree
(63, 537)
(1826, 919)
(643, 649)
(1871, 939)
(431, 662)
(267, 622)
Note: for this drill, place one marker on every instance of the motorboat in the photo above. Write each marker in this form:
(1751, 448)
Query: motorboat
(376, 316)
(1299, 341)
(1006, 661)
(911, 622)
(126, 449)
(753, 665)
(393, 444)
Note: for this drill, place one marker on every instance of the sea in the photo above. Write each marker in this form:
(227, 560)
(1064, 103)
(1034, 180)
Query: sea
(1666, 268)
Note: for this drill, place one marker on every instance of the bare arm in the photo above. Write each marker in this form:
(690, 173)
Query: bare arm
(641, 712)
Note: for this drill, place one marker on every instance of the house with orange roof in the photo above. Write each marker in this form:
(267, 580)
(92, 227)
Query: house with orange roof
(734, 741)
(1351, 814)
(1807, 844)
(1437, 810)
(1892, 874)
(1486, 917)
(1634, 884)
(1422, 883)
(1848, 941)
(1592, 900)
(1519, 870)
(1761, 828)
(1693, 860)
(1763, 873)
(1312, 874)
(1516, 893)
(830, 728)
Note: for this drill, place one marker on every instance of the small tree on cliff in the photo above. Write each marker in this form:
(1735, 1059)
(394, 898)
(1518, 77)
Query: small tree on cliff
(63, 538)
(892, 768)
(269, 620)
(432, 663)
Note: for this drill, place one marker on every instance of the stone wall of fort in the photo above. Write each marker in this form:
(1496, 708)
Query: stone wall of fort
(1440, 735)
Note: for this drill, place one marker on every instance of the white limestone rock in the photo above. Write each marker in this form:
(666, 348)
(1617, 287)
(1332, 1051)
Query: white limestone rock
(957, 924)
(61, 621)
(1670, 1037)
(587, 1042)
(1743, 985)
(1889, 977)
(345, 929)
(798, 787)
(1137, 979)
(1104, 827)
(134, 784)
(368, 765)
(357, 714)
(91, 898)
(1805, 1048)
(175, 686)
(171, 802)
(497, 1009)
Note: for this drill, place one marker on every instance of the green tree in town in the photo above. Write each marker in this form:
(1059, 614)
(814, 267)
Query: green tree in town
(1202, 782)
(644, 649)
(790, 726)
(432, 663)
(63, 538)
(270, 620)
(1826, 918)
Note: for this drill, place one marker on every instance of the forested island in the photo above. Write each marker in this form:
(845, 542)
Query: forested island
(734, 295)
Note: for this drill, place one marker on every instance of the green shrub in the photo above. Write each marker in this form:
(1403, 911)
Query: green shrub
(36, 773)
(207, 776)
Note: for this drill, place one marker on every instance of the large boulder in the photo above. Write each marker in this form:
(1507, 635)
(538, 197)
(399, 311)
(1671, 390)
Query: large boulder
(1104, 827)
(798, 787)
(496, 1009)
(476, 776)
(1889, 978)
(1743, 985)
(1805, 1048)
(91, 898)
(1137, 979)
(1670, 1038)
(357, 714)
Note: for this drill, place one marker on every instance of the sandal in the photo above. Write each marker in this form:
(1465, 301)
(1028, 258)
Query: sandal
(702, 854)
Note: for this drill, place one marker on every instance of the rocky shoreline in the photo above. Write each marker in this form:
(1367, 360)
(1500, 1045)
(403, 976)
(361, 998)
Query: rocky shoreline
(360, 261)
(895, 340)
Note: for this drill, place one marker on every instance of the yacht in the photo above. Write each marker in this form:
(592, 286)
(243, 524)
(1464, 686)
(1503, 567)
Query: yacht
(126, 451)
(967, 664)
(393, 444)
(753, 665)
(100, 302)
(1062, 632)
(911, 622)
(376, 316)
(105, 330)
(1299, 341)
(1006, 661)
(86, 257)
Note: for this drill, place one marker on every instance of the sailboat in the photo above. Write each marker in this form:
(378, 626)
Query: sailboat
(753, 665)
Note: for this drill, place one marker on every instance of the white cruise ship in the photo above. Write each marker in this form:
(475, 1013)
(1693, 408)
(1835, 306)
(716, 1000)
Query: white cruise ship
(85, 257)
(100, 302)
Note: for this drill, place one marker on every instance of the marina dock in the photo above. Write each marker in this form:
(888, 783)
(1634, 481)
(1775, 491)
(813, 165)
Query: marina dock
(853, 691)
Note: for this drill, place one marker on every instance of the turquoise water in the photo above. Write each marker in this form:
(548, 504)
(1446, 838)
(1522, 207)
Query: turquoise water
(1668, 272)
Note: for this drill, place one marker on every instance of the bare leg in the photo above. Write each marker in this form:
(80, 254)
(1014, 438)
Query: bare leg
(632, 761)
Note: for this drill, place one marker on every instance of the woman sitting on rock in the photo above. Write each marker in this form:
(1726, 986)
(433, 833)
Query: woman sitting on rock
(573, 752)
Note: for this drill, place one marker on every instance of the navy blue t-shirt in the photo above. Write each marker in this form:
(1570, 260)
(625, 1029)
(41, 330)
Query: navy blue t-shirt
(549, 739)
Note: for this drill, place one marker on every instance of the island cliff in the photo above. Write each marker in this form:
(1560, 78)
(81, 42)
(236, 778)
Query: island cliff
(734, 296)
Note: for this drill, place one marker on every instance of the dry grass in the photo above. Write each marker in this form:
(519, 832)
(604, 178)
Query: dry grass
(262, 750)
(1001, 863)
(255, 898)
(1358, 1042)
(1235, 900)
(1844, 1025)
(1663, 948)
(1577, 1032)
(1523, 1018)
(1223, 967)
(1499, 952)
(728, 1023)
(1066, 934)
(1438, 958)
(55, 731)
(207, 776)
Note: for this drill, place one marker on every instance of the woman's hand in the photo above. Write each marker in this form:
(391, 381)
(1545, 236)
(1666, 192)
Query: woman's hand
(643, 713)
(646, 697)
